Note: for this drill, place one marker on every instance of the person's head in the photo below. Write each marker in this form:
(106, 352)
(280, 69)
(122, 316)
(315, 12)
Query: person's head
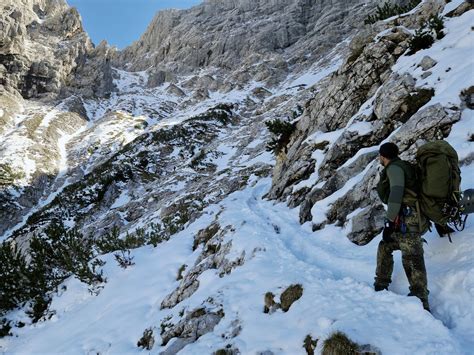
(387, 152)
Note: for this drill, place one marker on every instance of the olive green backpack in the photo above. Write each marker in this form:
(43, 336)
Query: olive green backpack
(439, 179)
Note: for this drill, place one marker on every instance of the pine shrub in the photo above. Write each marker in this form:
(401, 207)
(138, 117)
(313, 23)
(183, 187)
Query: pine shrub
(73, 252)
(52, 257)
(30, 278)
(282, 131)
(436, 24)
(388, 10)
(421, 40)
(38, 308)
(15, 282)
(111, 242)
(426, 35)
(5, 327)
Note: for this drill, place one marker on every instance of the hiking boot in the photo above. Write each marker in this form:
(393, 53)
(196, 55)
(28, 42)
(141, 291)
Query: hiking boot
(378, 287)
(424, 301)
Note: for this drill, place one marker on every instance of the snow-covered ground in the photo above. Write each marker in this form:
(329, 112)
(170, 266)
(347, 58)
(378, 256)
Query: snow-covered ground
(336, 276)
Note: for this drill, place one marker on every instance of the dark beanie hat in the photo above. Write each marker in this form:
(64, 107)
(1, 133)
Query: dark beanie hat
(389, 150)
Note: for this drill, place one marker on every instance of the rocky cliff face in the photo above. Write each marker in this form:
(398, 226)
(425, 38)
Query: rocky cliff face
(44, 50)
(42, 43)
(245, 40)
(362, 104)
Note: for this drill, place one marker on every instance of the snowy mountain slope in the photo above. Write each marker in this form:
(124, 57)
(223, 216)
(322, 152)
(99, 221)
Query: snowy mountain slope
(336, 276)
(143, 99)
(124, 122)
(33, 157)
(235, 245)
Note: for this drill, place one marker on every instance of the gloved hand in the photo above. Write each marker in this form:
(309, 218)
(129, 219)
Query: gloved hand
(389, 228)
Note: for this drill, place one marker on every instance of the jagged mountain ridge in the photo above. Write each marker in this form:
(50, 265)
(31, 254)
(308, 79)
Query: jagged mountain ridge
(229, 34)
(187, 117)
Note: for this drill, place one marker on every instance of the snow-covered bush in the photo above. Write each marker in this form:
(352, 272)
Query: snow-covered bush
(30, 276)
(426, 35)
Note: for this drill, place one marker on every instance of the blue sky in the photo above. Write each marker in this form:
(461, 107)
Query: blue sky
(120, 22)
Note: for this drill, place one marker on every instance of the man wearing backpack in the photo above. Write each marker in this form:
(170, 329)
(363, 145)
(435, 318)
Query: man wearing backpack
(404, 225)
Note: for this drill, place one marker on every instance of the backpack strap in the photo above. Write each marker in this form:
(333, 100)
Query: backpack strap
(417, 206)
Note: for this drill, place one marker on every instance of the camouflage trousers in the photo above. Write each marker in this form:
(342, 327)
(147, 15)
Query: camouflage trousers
(411, 246)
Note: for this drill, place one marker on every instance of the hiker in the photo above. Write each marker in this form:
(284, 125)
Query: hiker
(403, 226)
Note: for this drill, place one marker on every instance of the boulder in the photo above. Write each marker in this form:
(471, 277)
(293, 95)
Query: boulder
(427, 63)
(198, 322)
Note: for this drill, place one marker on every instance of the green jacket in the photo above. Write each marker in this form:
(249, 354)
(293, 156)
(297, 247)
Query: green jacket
(397, 183)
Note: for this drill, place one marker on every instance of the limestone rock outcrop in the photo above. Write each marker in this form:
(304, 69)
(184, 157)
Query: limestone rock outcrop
(337, 102)
(196, 323)
(361, 105)
(213, 256)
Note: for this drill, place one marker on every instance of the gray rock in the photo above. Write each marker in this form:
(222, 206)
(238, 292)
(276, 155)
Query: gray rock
(393, 95)
(174, 90)
(157, 78)
(196, 323)
(427, 63)
(213, 256)
(214, 35)
(334, 106)
(426, 74)
(461, 9)
(367, 224)
(431, 123)
(56, 45)
(336, 181)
